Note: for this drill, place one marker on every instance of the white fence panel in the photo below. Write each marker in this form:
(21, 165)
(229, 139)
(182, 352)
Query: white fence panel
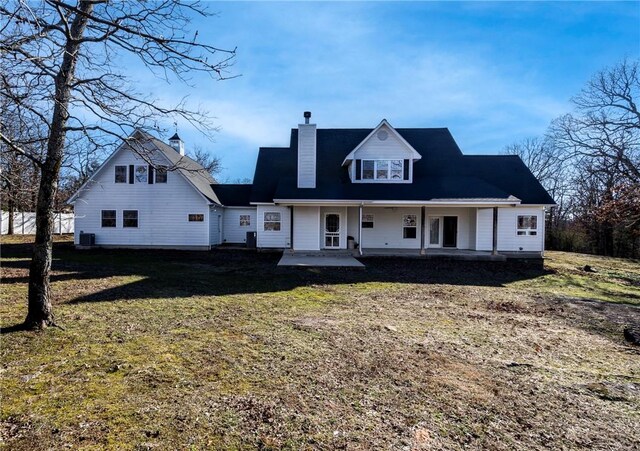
(24, 223)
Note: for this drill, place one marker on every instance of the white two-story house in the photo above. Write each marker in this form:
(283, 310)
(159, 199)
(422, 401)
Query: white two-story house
(410, 190)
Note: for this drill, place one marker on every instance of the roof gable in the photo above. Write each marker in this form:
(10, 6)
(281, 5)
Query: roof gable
(387, 135)
(149, 146)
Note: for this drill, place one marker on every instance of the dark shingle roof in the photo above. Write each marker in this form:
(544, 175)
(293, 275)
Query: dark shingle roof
(233, 195)
(273, 162)
(442, 173)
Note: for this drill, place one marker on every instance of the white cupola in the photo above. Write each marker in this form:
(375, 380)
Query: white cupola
(177, 144)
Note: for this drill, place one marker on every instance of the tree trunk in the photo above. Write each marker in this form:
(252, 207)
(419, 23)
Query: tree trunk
(40, 312)
(12, 209)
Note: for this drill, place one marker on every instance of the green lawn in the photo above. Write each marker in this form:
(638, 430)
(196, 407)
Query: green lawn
(222, 350)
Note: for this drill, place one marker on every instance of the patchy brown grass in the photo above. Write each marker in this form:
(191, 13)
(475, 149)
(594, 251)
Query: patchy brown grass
(222, 350)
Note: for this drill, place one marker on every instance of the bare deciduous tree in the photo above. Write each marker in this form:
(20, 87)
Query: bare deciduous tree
(597, 148)
(58, 76)
(211, 163)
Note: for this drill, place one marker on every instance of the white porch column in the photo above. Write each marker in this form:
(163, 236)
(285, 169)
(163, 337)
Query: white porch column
(423, 228)
(360, 229)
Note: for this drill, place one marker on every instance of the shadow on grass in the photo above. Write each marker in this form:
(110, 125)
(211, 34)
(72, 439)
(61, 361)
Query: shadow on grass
(15, 328)
(177, 274)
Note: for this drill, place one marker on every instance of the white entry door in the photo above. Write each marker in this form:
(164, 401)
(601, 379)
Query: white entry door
(435, 231)
(332, 230)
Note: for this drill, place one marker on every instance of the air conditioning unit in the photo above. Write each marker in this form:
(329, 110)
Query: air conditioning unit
(87, 239)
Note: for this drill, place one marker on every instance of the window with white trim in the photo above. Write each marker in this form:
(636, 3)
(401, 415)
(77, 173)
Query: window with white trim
(161, 174)
(367, 221)
(141, 173)
(272, 221)
(527, 225)
(130, 218)
(121, 174)
(245, 220)
(108, 218)
(196, 217)
(409, 226)
(382, 169)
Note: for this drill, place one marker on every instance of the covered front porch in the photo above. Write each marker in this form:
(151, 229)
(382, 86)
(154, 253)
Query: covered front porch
(479, 230)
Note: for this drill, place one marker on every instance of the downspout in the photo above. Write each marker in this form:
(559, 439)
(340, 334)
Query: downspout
(495, 231)
(360, 229)
(544, 230)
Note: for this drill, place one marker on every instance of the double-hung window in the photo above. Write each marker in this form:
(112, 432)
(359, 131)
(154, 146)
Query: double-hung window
(368, 169)
(108, 218)
(141, 173)
(272, 221)
(121, 174)
(527, 225)
(130, 218)
(409, 226)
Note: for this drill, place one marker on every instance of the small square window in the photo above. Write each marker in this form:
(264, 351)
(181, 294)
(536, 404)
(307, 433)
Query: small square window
(196, 217)
(130, 218)
(108, 218)
(121, 174)
(245, 220)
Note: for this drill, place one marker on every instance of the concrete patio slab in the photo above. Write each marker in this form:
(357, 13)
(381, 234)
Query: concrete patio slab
(319, 260)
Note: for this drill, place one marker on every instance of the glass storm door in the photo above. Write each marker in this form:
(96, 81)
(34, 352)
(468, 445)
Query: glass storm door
(332, 230)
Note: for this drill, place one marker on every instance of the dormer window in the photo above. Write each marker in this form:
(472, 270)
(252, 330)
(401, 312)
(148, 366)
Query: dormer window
(383, 169)
(384, 156)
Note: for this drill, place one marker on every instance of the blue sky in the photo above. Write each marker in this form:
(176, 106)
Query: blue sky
(493, 73)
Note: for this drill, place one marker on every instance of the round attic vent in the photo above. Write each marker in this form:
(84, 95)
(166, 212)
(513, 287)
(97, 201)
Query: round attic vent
(383, 135)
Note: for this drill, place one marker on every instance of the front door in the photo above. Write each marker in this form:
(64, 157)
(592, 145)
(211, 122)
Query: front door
(332, 231)
(450, 231)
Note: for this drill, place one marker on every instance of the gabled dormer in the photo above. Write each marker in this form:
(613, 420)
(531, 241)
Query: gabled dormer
(384, 156)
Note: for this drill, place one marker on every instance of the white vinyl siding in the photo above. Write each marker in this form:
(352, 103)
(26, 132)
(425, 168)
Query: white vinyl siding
(163, 209)
(388, 229)
(274, 239)
(306, 228)
(508, 240)
(233, 231)
(484, 229)
(353, 218)
(216, 215)
(306, 156)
